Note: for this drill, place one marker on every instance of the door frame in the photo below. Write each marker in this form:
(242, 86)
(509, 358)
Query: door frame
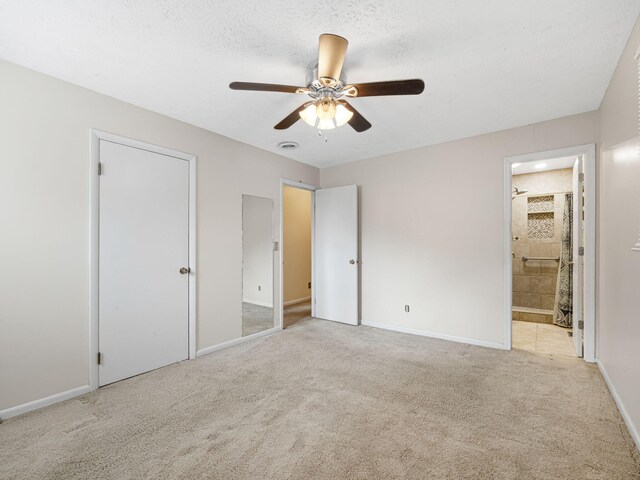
(312, 188)
(94, 240)
(589, 272)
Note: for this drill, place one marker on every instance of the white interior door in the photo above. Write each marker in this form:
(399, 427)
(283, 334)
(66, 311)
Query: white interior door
(144, 242)
(336, 254)
(578, 256)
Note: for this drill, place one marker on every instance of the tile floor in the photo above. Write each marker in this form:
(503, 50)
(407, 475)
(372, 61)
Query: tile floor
(542, 338)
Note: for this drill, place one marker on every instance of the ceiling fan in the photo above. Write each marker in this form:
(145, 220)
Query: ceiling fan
(327, 87)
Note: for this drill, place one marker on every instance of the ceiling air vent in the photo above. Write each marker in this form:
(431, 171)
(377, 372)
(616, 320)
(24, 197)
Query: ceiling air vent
(288, 145)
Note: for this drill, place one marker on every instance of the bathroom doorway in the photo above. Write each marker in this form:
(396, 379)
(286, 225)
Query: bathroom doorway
(551, 265)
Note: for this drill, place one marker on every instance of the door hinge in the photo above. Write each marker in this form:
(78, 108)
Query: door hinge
(99, 168)
(580, 324)
(581, 177)
(581, 251)
(99, 358)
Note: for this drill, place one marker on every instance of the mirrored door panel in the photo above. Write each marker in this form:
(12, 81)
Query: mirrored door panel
(257, 264)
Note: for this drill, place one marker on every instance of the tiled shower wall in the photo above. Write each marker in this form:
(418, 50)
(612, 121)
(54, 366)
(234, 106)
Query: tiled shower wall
(537, 222)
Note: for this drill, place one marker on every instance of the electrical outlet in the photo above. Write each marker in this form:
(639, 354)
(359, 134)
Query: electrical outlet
(309, 285)
(406, 308)
(259, 288)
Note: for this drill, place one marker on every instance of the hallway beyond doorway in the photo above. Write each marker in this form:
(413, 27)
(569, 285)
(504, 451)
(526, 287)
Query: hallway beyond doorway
(296, 313)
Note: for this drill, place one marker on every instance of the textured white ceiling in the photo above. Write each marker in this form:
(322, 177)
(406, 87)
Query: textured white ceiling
(488, 65)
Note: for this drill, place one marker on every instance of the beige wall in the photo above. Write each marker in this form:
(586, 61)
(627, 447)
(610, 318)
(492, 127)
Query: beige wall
(432, 228)
(534, 282)
(296, 210)
(44, 218)
(619, 215)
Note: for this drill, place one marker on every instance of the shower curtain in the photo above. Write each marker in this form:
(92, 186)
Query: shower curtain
(564, 290)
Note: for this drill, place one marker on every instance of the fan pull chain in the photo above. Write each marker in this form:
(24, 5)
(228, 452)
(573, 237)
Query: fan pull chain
(326, 139)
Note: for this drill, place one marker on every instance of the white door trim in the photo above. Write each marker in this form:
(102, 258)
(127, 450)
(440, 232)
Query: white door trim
(94, 236)
(292, 183)
(589, 152)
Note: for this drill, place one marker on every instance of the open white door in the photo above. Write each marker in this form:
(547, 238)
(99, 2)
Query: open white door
(336, 254)
(143, 261)
(578, 255)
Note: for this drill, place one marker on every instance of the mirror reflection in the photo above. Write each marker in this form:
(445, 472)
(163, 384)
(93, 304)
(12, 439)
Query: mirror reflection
(257, 264)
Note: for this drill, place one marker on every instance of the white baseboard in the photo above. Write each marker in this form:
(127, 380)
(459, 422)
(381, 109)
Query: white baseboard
(297, 300)
(236, 341)
(623, 411)
(43, 402)
(258, 302)
(441, 336)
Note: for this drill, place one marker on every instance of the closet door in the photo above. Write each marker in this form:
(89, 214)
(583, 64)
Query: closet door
(143, 261)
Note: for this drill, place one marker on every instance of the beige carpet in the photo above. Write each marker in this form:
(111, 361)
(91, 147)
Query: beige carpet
(329, 401)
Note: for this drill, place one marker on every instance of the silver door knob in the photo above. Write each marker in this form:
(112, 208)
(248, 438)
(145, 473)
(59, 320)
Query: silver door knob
(352, 261)
(185, 270)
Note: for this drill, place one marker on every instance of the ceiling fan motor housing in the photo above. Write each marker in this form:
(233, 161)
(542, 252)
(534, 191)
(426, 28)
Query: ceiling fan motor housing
(312, 75)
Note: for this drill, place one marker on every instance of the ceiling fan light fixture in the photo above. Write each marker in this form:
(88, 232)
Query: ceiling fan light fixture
(308, 114)
(343, 115)
(326, 109)
(326, 124)
(325, 114)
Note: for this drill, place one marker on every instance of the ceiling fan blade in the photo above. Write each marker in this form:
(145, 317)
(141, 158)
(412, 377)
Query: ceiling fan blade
(331, 53)
(357, 122)
(292, 118)
(263, 87)
(393, 87)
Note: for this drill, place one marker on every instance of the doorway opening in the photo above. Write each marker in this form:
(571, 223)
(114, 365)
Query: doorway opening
(297, 253)
(550, 272)
(319, 227)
